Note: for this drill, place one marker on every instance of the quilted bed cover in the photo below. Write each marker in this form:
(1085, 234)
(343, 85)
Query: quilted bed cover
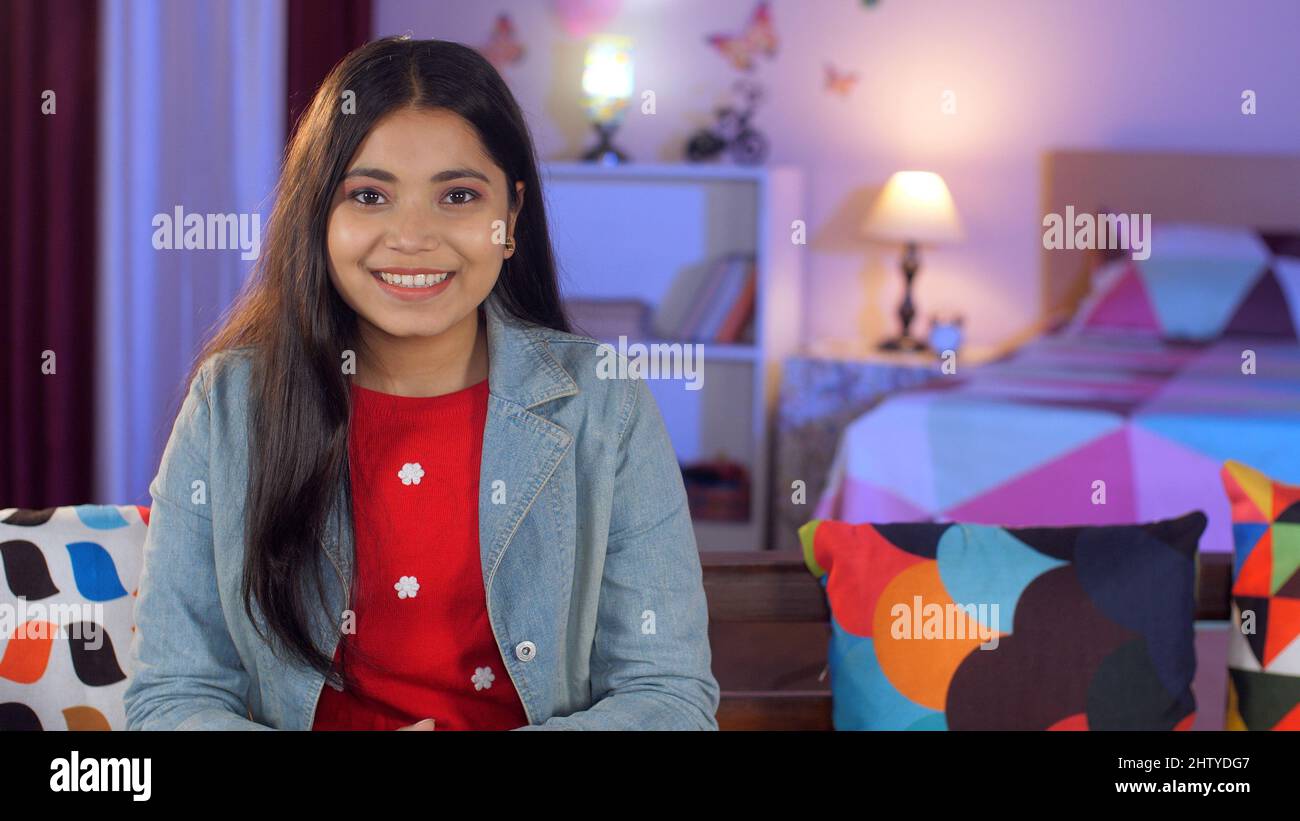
(1076, 430)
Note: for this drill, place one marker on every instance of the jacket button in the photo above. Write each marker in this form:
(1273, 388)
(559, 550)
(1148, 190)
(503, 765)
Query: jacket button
(525, 650)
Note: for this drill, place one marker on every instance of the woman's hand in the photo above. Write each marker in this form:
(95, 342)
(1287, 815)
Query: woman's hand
(427, 724)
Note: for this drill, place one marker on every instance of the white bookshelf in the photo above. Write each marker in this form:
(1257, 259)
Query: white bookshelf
(641, 231)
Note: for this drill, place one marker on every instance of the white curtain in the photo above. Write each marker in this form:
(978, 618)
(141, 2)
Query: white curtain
(192, 115)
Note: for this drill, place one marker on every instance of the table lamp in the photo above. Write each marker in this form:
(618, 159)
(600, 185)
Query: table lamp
(607, 84)
(914, 208)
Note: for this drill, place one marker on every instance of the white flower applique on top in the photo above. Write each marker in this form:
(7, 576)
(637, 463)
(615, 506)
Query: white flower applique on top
(406, 587)
(483, 678)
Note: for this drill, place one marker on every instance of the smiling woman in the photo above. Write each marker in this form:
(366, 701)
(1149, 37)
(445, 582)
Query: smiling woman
(396, 404)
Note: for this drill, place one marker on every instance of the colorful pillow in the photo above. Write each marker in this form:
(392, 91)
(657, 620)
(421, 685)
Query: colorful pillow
(1199, 283)
(976, 627)
(1264, 644)
(67, 614)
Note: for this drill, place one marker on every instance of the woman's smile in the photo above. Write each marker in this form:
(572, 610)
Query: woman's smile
(412, 284)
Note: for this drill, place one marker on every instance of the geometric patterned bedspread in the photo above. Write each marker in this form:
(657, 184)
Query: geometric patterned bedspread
(1075, 430)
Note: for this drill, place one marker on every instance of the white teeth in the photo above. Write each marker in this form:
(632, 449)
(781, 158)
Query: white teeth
(409, 281)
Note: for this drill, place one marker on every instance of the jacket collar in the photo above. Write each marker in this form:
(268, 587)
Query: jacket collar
(521, 367)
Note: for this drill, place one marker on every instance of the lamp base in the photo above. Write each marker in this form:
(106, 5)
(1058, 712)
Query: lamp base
(605, 152)
(906, 311)
(906, 344)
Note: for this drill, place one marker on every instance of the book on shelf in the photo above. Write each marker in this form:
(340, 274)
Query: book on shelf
(703, 298)
(715, 304)
(720, 303)
(740, 316)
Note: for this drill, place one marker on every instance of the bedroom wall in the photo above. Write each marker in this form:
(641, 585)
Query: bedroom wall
(1026, 76)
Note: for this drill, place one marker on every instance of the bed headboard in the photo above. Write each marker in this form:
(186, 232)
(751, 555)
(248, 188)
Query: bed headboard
(1259, 191)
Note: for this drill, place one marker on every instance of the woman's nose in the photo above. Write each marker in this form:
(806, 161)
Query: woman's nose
(413, 229)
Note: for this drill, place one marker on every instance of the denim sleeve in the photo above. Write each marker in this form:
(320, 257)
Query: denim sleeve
(186, 672)
(651, 663)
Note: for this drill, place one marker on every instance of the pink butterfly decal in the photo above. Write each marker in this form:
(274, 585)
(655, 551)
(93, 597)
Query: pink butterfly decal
(840, 82)
(503, 48)
(759, 37)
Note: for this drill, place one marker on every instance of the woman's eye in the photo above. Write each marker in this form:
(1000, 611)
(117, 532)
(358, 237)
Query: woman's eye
(360, 196)
(462, 192)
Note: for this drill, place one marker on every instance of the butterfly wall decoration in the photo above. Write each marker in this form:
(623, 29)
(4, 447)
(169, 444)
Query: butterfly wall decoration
(840, 82)
(757, 39)
(503, 48)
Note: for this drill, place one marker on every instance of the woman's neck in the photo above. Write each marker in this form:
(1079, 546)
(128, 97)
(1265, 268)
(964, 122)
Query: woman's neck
(424, 366)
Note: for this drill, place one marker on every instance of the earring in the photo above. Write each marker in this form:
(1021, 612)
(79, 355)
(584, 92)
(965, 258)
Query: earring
(510, 244)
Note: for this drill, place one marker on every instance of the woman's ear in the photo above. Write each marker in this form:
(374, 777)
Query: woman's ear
(515, 209)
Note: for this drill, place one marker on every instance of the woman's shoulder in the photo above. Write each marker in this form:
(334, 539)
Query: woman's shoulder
(600, 371)
(224, 375)
(624, 360)
(577, 354)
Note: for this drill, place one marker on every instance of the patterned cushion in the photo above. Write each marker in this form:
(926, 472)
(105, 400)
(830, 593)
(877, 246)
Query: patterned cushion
(1264, 646)
(965, 627)
(67, 614)
(1200, 283)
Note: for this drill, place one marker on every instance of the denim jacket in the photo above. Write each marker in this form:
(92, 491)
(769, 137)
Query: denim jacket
(590, 567)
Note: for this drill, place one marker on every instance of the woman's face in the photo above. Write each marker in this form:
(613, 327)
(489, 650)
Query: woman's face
(419, 198)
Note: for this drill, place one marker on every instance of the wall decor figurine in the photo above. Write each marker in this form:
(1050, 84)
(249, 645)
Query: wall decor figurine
(733, 133)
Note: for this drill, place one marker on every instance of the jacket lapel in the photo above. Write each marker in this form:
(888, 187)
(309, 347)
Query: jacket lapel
(521, 449)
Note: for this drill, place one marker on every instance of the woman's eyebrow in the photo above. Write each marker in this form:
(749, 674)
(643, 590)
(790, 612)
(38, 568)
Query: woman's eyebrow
(441, 176)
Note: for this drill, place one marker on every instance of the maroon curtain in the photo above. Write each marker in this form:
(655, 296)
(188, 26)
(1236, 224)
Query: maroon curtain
(320, 33)
(47, 251)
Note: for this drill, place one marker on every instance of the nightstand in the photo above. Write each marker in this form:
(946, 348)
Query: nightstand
(823, 389)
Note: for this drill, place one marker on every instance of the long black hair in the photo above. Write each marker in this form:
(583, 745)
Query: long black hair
(298, 326)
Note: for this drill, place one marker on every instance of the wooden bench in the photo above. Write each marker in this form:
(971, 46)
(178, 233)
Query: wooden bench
(769, 628)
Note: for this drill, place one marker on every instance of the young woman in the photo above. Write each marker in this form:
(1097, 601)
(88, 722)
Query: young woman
(399, 494)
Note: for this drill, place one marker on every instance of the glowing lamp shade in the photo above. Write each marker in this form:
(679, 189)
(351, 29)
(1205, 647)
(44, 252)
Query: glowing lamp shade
(914, 206)
(607, 76)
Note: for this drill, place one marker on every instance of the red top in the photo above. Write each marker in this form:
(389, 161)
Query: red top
(421, 613)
